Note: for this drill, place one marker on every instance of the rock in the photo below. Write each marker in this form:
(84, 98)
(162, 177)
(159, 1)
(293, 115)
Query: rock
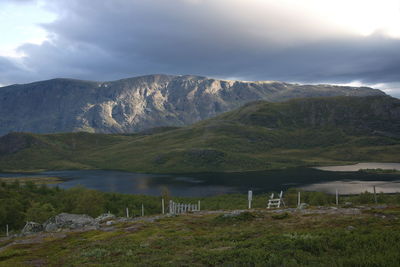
(50, 227)
(69, 221)
(105, 217)
(350, 228)
(31, 228)
(109, 222)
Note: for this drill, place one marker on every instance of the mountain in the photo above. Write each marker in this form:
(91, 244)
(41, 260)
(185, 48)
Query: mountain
(135, 104)
(258, 136)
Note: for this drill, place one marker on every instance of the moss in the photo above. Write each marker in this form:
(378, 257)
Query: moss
(255, 239)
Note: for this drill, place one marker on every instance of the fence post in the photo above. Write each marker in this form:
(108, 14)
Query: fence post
(142, 210)
(250, 197)
(298, 199)
(162, 206)
(6, 229)
(337, 197)
(198, 204)
(127, 212)
(376, 200)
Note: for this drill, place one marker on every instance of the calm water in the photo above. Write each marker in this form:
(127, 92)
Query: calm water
(208, 184)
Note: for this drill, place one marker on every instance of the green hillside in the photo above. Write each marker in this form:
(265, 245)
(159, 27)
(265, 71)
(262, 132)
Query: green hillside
(258, 136)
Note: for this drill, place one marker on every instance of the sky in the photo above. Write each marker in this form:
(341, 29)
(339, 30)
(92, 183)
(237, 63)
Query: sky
(349, 42)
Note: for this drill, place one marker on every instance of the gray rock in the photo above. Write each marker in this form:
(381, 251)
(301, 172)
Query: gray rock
(105, 217)
(350, 228)
(50, 227)
(139, 103)
(69, 221)
(31, 228)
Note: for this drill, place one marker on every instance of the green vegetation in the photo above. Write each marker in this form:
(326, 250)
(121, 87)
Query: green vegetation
(380, 171)
(35, 180)
(30, 202)
(256, 238)
(258, 136)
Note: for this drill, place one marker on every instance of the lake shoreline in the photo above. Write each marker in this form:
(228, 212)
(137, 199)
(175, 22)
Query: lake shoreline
(361, 166)
(209, 184)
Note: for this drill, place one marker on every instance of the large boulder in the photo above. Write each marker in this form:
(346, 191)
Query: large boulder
(105, 218)
(31, 228)
(69, 221)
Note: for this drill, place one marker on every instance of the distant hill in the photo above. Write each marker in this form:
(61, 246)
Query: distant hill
(135, 104)
(259, 136)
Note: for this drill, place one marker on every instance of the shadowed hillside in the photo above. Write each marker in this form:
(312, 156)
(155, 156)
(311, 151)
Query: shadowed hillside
(258, 136)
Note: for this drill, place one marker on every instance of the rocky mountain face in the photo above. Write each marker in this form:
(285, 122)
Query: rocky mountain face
(135, 104)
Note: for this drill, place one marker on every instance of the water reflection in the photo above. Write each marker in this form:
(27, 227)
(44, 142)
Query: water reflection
(208, 184)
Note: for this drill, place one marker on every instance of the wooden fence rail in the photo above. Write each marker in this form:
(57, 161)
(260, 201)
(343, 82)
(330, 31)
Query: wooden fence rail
(178, 208)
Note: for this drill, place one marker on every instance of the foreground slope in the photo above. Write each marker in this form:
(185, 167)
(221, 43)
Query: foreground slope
(313, 237)
(258, 136)
(135, 104)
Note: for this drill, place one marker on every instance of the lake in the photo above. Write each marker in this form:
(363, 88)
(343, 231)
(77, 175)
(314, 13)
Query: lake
(209, 184)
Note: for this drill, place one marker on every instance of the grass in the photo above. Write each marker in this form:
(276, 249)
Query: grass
(223, 144)
(35, 180)
(258, 136)
(256, 238)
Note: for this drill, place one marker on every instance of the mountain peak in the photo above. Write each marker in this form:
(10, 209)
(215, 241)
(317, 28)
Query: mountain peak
(137, 103)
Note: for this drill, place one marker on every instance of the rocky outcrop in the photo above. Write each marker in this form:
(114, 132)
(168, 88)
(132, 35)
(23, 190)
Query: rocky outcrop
(69, 221)
(135, 104)
(106, 217)
(31, 228)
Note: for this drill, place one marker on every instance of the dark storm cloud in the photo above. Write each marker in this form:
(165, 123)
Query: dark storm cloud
(105, 40)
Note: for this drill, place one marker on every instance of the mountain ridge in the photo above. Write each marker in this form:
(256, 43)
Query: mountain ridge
(138, 103)
(258, 136)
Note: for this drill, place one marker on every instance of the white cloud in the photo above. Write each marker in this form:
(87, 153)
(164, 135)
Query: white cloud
(20, 24)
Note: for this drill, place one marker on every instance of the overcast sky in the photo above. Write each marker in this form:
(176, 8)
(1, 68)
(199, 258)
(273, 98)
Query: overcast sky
(308, 41)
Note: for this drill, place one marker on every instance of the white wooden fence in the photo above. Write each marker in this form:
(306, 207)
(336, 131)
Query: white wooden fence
(178, 208)
(275, 202)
